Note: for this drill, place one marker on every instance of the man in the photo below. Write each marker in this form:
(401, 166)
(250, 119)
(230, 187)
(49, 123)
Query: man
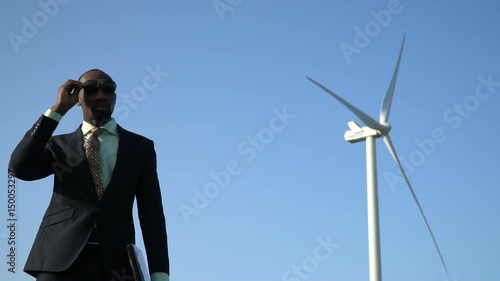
(99, 170)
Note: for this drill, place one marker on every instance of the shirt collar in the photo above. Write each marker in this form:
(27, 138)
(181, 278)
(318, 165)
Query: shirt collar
(110, 127)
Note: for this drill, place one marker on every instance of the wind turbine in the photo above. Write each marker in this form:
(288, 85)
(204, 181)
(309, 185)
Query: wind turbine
(376, 129)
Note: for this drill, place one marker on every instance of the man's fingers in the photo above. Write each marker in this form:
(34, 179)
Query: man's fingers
(73, 96)
(72, 86)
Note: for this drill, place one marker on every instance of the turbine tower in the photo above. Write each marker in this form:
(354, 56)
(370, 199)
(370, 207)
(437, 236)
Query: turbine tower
(376, 129)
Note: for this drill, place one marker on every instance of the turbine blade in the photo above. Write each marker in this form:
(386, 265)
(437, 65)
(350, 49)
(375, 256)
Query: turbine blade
(386, 105)
(369, 121)
(389, 145)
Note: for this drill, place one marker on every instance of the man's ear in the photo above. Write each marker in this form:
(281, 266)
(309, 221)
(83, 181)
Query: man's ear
(78, 100)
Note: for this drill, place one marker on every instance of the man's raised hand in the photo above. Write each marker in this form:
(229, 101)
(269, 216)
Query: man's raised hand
(67, 96)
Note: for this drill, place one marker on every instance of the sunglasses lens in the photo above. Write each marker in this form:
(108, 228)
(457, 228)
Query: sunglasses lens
(92, 86)
(108, 86)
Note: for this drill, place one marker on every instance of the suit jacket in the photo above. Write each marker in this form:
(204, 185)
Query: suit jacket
(74, 210)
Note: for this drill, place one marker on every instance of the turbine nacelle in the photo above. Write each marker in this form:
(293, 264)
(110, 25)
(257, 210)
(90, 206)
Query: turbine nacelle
(358, 133)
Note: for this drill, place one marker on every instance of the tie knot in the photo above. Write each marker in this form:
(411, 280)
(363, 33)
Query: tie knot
(97, 131)
(94, 134)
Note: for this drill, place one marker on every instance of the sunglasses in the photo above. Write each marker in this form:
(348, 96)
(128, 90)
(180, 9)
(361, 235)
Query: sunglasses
(92, 86)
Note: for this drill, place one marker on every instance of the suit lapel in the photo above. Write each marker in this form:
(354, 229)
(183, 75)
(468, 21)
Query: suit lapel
(76, 143)
(123, 147)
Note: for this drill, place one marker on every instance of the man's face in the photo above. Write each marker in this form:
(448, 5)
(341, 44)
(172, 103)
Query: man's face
(98, 96)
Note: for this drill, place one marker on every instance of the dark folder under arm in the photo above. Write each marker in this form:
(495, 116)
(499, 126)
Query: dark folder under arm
(138, 263)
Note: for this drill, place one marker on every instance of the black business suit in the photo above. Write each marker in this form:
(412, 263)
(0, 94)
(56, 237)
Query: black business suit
(74, 211)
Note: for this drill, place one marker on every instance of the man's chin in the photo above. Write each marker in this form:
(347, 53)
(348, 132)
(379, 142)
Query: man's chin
(101, 113)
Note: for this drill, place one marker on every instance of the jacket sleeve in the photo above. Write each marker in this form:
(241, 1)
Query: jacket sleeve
(31, 159)
(151, 216)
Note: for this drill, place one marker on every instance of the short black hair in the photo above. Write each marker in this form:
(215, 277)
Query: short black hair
(92, 70)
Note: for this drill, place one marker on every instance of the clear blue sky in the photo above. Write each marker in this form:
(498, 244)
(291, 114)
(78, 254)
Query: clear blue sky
(231, 66)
